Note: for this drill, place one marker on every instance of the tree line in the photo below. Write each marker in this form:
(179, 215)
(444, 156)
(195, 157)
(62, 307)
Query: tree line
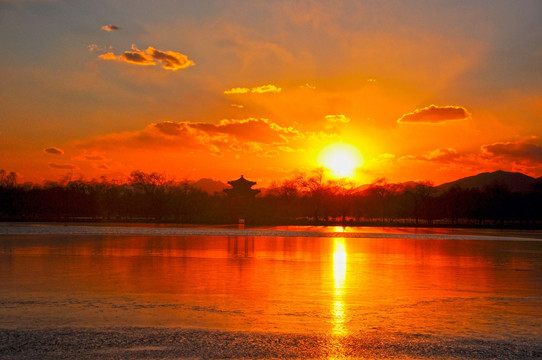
(303, 199)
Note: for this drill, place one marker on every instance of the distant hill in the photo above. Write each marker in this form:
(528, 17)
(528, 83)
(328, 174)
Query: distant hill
(209, 185)
(515, 181)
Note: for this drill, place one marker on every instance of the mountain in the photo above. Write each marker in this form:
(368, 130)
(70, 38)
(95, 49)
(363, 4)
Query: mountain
(209, 185)
(515, 181)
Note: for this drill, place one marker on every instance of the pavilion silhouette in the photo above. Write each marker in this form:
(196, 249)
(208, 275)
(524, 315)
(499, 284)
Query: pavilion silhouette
(242, 188)
(241, 197)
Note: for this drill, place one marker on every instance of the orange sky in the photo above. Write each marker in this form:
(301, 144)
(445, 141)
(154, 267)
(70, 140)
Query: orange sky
(425, 90)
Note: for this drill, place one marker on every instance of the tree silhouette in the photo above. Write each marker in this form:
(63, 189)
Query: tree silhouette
(302, 199)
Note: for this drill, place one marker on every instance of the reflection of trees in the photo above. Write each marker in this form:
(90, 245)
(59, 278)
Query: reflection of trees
(240, 246)
(303, 199)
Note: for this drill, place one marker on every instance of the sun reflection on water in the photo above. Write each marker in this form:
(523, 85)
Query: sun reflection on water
(339, 277)
(338, 310)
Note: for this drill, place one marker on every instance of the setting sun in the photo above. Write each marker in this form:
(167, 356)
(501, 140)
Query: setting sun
(341, 159)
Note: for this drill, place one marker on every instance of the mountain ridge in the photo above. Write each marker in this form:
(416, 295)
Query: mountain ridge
(209, 185)
(515, 181)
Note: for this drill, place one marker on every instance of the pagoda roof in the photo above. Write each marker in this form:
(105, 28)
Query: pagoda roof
(242, 182)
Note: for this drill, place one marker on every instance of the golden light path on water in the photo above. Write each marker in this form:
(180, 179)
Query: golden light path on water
(338, 310)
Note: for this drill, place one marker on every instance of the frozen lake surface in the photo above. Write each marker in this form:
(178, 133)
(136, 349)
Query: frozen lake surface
(156, 292)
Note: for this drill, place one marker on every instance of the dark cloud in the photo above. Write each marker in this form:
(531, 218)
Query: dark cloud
(170, 60)
(448, 157)
(110, 27)
(137, 58)
(54, 151)
(435, 115)
(520, 151)
(247, 135)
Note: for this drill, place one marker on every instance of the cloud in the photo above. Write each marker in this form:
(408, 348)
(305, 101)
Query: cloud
(520, 151)
(171, 128)
(271, 153)
(54, 151)
(93, 157)
(339, 118)
(110, 27)
(385, 158)
(62, 166)
(308, 86)
(94, 47)
(238, 106)
(266, 89)
(251, 129)
(108, 56)
(520, 156)
(169, 60)
(435, 115)
(255, 90)
(137, 57)
(237, 90)
(247, 148)
(440, 155)
(88, 156)
(285, 149)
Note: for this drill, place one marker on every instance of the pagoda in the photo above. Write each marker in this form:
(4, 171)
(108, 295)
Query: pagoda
(242, 188)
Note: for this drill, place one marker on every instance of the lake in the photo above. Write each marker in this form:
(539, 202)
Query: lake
(302, 292)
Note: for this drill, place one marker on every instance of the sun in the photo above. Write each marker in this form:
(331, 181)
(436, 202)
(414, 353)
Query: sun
(341, 159)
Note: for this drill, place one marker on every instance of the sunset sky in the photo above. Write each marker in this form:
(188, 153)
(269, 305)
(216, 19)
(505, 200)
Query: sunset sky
(426, 90)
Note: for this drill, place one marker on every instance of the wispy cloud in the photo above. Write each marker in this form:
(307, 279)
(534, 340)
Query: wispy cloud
(62, 166)
(111, 27)
(434, 114)
(271, 153)
(95, 47)
(442, 155)
(339, 118)
(255, 90)
(54, 151)
(85, 156)
(308, 86)
(169, 60)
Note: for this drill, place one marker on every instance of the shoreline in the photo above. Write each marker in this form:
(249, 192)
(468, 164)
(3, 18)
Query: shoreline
(392, 223)
(147, 229)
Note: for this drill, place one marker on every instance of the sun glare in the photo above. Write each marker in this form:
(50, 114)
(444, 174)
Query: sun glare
(341, 159)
